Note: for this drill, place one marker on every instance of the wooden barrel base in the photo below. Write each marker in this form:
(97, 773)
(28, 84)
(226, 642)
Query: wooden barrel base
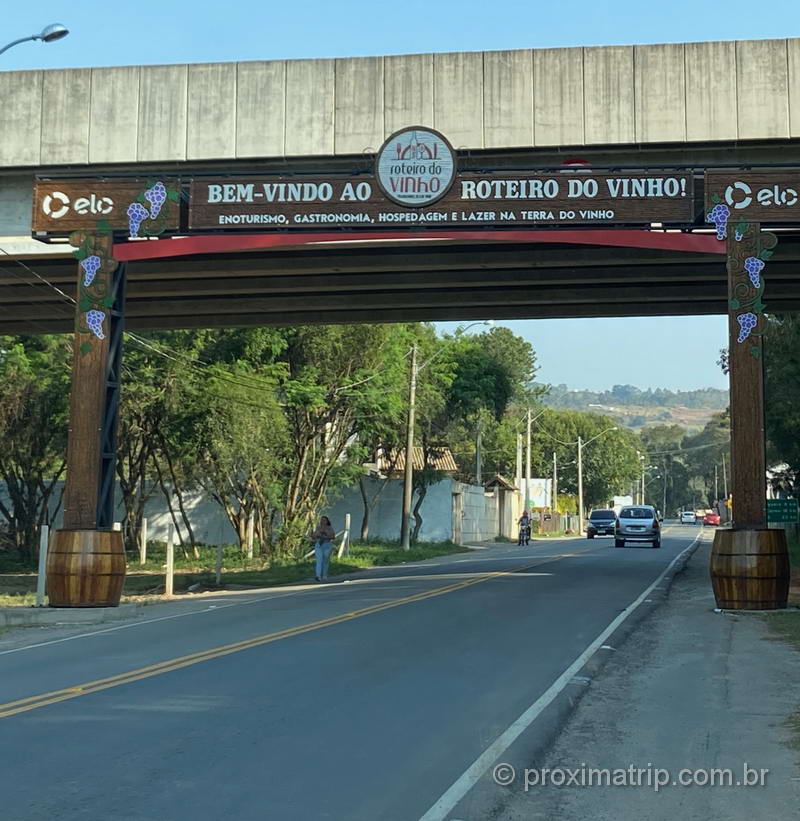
(750, 569)
(85, 568)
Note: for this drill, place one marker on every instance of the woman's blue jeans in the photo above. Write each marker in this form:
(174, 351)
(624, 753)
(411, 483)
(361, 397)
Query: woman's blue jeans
(323, 552)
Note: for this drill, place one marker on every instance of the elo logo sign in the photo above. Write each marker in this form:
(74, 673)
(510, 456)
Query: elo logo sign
(57, 205)
(415, 166)
(740, 195)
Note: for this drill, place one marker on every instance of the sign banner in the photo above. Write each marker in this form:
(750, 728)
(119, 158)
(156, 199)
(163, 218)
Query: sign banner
(760, 196)
(140, 207)
(472, 200)
(782, 510)
(541, 491)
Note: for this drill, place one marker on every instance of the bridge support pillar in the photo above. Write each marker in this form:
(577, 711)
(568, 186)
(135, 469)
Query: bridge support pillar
(749, 565)
(86, 563)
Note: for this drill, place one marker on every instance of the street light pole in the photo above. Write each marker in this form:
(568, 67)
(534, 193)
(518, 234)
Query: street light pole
(580, 484)
(49, 34)
(554, 489)
(528, 465)
(408, 473)
(644, 483)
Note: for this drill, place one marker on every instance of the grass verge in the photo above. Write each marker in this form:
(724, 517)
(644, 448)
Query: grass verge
(19, 588)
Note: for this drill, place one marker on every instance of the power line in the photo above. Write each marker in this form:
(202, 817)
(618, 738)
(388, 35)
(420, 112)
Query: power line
(244, 380)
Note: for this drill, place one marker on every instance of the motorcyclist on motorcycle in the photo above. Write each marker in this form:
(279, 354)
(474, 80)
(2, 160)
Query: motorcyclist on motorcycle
(524, 528)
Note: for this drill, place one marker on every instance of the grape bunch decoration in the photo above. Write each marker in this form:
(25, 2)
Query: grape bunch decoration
(156, 196)
(94, 319)
(737, 235)
(90, 265)
(719, 216)
(137, 214)
(754, 266)
(747, 322)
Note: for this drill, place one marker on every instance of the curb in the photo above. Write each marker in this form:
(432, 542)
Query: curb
(59, 616)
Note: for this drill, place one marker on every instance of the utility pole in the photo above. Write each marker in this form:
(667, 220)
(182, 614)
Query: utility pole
(643, 478)
(408, 473)
(528, 465)
(724, 478)
(554, 488)
(519, 461)
(716, 486)
(580, 484)
(636, 486)
(666, 476)
(478, 461)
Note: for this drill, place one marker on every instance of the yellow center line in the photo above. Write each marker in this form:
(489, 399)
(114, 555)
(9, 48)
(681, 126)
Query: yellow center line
(43, 699)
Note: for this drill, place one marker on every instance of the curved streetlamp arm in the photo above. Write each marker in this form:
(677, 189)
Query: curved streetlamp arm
(599, 435)
(455, 337)
(17, 42)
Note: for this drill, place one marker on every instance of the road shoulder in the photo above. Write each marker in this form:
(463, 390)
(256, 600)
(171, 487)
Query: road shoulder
(690, 689)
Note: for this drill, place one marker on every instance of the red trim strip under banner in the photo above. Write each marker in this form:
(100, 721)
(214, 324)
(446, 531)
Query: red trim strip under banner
(229, 243)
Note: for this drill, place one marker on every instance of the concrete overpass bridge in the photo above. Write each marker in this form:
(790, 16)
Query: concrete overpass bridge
(678, 106)
(689, 127)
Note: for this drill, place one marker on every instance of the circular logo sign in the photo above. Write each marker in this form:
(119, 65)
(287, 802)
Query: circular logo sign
(55, 205)
(415, 166)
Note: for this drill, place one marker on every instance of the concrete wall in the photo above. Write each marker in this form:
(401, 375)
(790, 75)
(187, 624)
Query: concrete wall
(575, 96)
(209, 523)
(481, 514)
(479, 523)
(436, 510)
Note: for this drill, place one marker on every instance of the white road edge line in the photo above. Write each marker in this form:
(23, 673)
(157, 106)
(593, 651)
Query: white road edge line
(471, 776)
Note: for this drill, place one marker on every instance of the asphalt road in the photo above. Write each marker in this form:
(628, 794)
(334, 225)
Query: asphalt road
(350, 701)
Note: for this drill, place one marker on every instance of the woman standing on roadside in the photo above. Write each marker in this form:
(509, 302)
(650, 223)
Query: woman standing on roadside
(323, 538)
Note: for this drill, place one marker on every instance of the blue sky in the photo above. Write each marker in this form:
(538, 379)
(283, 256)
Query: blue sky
(671, 353)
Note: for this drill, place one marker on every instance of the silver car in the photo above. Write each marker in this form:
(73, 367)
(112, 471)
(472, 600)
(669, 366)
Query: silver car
(637, 523)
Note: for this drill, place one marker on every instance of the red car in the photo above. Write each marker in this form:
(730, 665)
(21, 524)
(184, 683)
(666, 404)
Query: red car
(711, 519)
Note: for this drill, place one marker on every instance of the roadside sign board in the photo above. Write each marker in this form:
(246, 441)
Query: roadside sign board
(782, 511)
(471, 201)
(63, 206)
(761, 196)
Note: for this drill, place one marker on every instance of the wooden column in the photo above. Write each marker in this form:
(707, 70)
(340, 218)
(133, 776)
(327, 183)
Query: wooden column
(746, 362)
(87, 399)
(86, 565)
(749, 562)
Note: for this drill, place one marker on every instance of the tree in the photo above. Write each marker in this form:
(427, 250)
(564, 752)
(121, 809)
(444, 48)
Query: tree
(339, 380)
(35, 372)
(782, 395)
(703, 457)
(610, 462)
(662, 446)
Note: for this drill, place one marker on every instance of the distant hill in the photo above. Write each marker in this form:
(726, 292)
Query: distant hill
(635, 408)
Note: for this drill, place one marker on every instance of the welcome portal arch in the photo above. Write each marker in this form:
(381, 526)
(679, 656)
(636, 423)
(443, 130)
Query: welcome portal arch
(414, 236)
